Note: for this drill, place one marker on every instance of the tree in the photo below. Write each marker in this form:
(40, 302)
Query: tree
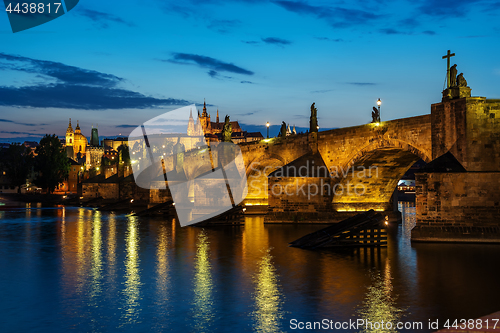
(18, 164)
(52, 163)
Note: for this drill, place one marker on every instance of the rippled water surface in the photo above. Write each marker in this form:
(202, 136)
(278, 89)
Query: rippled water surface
(79, 269)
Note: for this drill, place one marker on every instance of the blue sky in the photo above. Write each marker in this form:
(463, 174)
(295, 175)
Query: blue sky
(120, 63)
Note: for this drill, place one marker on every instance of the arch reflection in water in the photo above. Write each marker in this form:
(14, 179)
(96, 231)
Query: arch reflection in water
(268, 299)
(203, 312)
(379, 305)
(132, 290)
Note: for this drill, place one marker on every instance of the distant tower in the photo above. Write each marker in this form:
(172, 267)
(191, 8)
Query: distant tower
(94, 137)
(191, 129)
(217, 119)
(288, 131)
(69, 141)
(294, 131)
(205, 119)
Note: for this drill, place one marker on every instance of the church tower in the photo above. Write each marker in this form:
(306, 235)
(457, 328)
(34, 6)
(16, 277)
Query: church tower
(205, 120)
(70, 141)
(217, 119)
(94, 137)
(69, 135)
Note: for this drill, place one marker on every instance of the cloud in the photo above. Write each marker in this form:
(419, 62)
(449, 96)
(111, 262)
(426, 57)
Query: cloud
(447, 8)
(207, 62)
(71, 87)
(223, 26)
(391, 31)
(20, 133)
(330, 39)
(244, 114)
(126, 126)
(249, 82)
(59, 71)
(19, 123)
(80, 97)
(276, 41)
(250, 42)
(102, 19)
(338, 17)
(361, 83)
(429, 32)
(215, 75)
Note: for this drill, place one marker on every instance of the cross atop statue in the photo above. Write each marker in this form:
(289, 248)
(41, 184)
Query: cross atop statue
(447, 57)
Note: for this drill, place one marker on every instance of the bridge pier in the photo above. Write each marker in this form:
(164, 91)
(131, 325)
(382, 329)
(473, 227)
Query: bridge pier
(458, 194)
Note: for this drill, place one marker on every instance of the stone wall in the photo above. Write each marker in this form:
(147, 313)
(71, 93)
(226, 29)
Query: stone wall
(469, 128)
(104, 190)
(300, 194)
(457, 207)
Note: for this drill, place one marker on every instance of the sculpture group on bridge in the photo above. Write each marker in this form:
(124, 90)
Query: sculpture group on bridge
(457, 81)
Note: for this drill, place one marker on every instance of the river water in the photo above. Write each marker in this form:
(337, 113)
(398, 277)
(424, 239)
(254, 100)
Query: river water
(80, 269)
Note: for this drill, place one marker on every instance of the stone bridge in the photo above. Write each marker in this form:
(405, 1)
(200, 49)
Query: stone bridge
(371, 157)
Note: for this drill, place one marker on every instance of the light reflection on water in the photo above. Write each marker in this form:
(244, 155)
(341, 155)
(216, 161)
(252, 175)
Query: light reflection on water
(203, 311)
(85, 270)
(380, 303)
(132, 291)
(268, 298)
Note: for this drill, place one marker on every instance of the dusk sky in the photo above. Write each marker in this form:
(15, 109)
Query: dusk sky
(120, 63)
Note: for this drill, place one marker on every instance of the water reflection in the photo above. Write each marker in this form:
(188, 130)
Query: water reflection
(162, 269)
(409, 217)
(268, 303)
(203, 286)
(132, 275)
(96, 268)
(379, 305)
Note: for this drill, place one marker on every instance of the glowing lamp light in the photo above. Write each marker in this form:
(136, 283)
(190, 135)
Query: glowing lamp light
(379, 102)
(131, 200)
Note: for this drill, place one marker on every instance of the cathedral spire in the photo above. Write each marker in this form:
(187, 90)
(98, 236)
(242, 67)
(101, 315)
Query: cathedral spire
(217, 119)
(70, 128)
(204, 114)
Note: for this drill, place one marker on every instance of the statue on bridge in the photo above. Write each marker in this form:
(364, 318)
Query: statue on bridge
(375, 115)
(282, 133)
(461, 81)
(313, 121)
(453, 76)
(227, 130)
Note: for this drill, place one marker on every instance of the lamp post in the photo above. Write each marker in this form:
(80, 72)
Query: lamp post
(267, 124)
(379, 102)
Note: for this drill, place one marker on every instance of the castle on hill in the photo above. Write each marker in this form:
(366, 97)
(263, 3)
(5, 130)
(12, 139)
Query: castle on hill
(213, 130)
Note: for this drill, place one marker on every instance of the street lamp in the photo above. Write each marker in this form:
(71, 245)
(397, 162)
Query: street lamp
(267, 124)
(379, 102)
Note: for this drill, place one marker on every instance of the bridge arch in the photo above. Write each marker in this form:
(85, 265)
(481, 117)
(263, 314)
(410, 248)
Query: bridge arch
(382, 144)
(369, 179)
(257, 172)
